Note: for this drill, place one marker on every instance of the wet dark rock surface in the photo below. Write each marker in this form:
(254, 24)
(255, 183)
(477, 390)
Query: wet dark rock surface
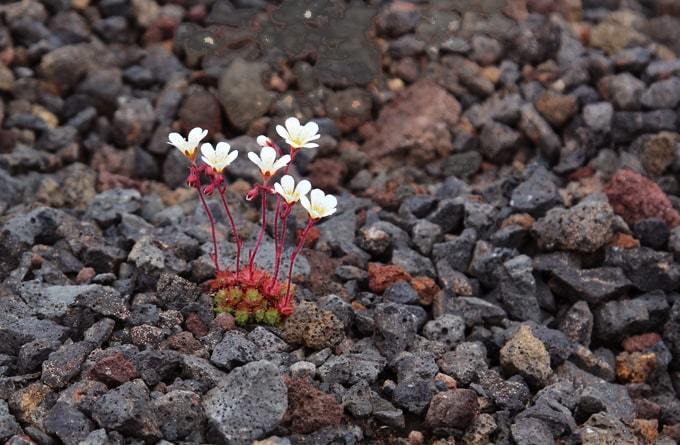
(503, 268)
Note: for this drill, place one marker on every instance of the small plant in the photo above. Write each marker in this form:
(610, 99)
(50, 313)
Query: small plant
(252, 295)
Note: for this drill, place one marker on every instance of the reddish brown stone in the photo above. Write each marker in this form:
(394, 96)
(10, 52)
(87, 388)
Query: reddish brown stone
(312, 237)
(201, 109)
(581, 173)
(672, 431)
(455, 408)
(646, 429)
(426, 288)
(641, 343)
(635, 197)
(310, 409)
(85, 274)
(624, 241)
(381, 276)
(113, 370)
(184, 342)
(557, 108)
(646, 409)
(322, 267)
(635, 367)
(224, 322)
(327, 174)
(519, 219)
(195, 325)
(415, 125)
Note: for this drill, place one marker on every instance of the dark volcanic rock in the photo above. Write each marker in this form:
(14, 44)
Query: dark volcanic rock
(455, 408)
(249, 403)
(67, 423)
(127, 409)
(585, 227)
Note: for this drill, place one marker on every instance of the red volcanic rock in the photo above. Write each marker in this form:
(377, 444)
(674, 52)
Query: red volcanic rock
(195, 325)
(327, 174)
(635, 197)
(642, 342)
(415, 125)
(310, 409)
(113, 370)
(381, 276)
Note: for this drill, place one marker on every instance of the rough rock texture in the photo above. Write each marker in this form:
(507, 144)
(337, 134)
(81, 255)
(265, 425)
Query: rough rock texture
(526, 355)
(313, 327)
(310, 409)
(455, 408)
(585, 227)
(249, 403)
(635, 197)
(415, 125)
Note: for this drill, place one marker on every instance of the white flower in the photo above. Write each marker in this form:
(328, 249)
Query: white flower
(298, 136)
(289, 191)
(264, 141)
(267, 161)
(218, 158)
(188, 146)
(321, 205)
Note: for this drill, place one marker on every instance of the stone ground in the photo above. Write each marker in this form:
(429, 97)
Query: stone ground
(503, 267)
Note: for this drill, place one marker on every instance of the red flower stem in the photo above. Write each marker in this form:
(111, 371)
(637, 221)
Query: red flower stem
(237, 239)
(279, 252)
(260, 235)
(293, 256)
(280, 239)
(211, 218)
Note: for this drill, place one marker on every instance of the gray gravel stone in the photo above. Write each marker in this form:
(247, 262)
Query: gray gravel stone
(64, 364)
(248, 404)
(395, 328)
(530, 431)
(448, 329)
(127, 409)
(234, 350)
(180, 415)
(67, 423)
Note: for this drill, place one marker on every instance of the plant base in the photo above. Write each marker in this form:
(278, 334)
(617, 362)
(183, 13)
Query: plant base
(249, 297)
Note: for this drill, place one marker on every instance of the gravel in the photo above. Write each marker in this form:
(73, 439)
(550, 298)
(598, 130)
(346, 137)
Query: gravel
(503, 267)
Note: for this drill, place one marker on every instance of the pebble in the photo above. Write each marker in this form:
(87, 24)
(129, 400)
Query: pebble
(526, 355)
(455, 408)
(248, 404)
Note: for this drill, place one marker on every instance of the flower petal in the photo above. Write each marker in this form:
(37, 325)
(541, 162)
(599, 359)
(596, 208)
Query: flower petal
(207, 150)
(292, 125)
(310, 129)
(282, 162)
(231, 157)
(306, 204)
(303, 187)
(279, 189)
(263, 140)
(330, 202)
(196, 134)
(267, 154)
(310, 145)
(222, 148)
(317, 196)
(288, 183)
(254, 158)
(176, 139)
(282, 132)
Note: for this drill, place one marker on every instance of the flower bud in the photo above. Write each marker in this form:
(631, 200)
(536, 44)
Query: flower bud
(252, 194)
(193, 180)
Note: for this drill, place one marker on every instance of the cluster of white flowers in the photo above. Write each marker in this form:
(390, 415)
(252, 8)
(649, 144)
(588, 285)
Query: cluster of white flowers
(297, 136)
